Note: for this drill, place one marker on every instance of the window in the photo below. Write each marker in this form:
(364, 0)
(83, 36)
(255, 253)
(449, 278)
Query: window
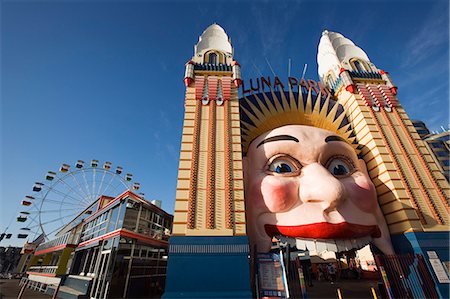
(359, 67)
(213, 58)
(330, 79)
(442, 154)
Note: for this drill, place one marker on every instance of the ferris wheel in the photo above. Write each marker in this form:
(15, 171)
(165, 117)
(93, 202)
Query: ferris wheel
(67, 194)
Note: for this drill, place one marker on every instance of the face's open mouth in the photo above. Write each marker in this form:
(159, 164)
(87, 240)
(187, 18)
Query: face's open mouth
(324, 230)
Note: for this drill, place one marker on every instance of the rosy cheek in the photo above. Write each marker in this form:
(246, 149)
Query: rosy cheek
(362, 192)
(279, 194)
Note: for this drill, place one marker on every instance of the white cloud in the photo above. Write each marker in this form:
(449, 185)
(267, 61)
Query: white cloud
(432, 35)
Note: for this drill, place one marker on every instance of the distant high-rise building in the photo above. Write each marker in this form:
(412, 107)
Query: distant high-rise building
(438, 143)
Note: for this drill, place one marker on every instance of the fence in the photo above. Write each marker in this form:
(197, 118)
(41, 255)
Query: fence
(407, 276)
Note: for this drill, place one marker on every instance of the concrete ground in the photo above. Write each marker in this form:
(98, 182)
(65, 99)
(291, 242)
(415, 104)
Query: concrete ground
(350, 288)
(9, 289)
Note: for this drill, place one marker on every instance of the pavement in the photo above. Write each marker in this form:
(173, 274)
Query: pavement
(9, 289)
(349, 288)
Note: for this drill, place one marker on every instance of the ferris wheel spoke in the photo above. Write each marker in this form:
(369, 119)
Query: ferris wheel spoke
(33, 220)
(48, 222)
(59, 210)
(86, 184)
(117, 186)
(99, 193)
(64, 194)
(66, 203)
(71, 189)
(108, 185)
(85, 195)
(60, 227)
(93, 183)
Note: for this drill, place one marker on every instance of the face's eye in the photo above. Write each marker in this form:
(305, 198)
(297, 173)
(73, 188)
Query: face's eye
(340, 166)
(283, 165)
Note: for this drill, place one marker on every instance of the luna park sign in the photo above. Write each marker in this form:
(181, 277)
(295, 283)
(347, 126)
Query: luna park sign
(266, 83)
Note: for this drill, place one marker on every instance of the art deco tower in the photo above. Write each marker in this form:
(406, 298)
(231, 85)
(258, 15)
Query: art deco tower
(210, 194)
(208, 255)
(412, 192)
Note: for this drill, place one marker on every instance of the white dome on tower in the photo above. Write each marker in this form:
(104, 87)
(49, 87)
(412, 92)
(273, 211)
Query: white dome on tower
(335, 50)
(214, 38)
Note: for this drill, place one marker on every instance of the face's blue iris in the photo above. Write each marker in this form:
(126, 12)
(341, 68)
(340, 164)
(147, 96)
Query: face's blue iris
(340, 170)
(340, 167)
(283, 168)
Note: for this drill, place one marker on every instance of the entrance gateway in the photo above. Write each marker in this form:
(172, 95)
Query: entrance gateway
(215, 238)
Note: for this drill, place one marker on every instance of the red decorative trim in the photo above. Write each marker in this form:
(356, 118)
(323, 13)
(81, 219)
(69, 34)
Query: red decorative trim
(190, 62)
(211, 169)
(54, 248)
(188, 81)
(226, 88)
(41, 274)
(194, 166)
(237, 82)
(103, 237)
(413, 169)
(394, 90)
(145, 239)
(425, 166)
(350, 88)
(213, 83)
(341, 70)
(124, 195)
(405, 182)
(236, 63)
(199, 85)
(383, 72)
(228, 169)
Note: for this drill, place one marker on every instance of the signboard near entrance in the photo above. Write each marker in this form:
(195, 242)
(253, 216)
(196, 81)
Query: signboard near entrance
(271, 276)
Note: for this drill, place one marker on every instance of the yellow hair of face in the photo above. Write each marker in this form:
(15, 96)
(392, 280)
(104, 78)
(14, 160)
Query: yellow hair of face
(266, 111)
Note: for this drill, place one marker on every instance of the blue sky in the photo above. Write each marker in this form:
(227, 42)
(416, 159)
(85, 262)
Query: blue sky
(104, 79)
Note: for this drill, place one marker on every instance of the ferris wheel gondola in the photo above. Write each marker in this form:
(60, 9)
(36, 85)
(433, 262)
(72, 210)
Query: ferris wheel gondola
(68, 194)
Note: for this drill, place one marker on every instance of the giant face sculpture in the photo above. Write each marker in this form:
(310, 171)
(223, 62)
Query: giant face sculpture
(307, 183)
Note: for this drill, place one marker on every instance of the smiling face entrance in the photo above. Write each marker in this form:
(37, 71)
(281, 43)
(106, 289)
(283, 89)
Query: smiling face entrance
(308, 183)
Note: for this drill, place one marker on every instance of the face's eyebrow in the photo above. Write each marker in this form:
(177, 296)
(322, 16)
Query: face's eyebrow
(278, 138)
(334, 138)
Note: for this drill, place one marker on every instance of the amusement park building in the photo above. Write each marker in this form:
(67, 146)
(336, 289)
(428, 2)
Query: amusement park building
(210, 222)
(119, 251)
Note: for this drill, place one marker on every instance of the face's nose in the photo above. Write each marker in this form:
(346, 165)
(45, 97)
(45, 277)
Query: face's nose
(318, 185)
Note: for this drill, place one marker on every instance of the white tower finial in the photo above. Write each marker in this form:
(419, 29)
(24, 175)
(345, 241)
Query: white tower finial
(335, 52)
(214, 38)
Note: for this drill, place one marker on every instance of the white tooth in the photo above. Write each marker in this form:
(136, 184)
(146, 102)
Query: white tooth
(321, 246)
(331, 245)
(310, 245)
(340, 245)
(300, 243)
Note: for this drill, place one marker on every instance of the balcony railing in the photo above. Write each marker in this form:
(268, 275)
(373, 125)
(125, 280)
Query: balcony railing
(67, 238)
(43, 269)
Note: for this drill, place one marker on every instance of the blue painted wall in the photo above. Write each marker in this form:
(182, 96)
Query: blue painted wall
(208, 275)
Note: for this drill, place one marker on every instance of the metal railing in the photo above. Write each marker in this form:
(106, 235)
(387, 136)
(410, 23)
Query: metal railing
(67, 238)
(43, 269)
